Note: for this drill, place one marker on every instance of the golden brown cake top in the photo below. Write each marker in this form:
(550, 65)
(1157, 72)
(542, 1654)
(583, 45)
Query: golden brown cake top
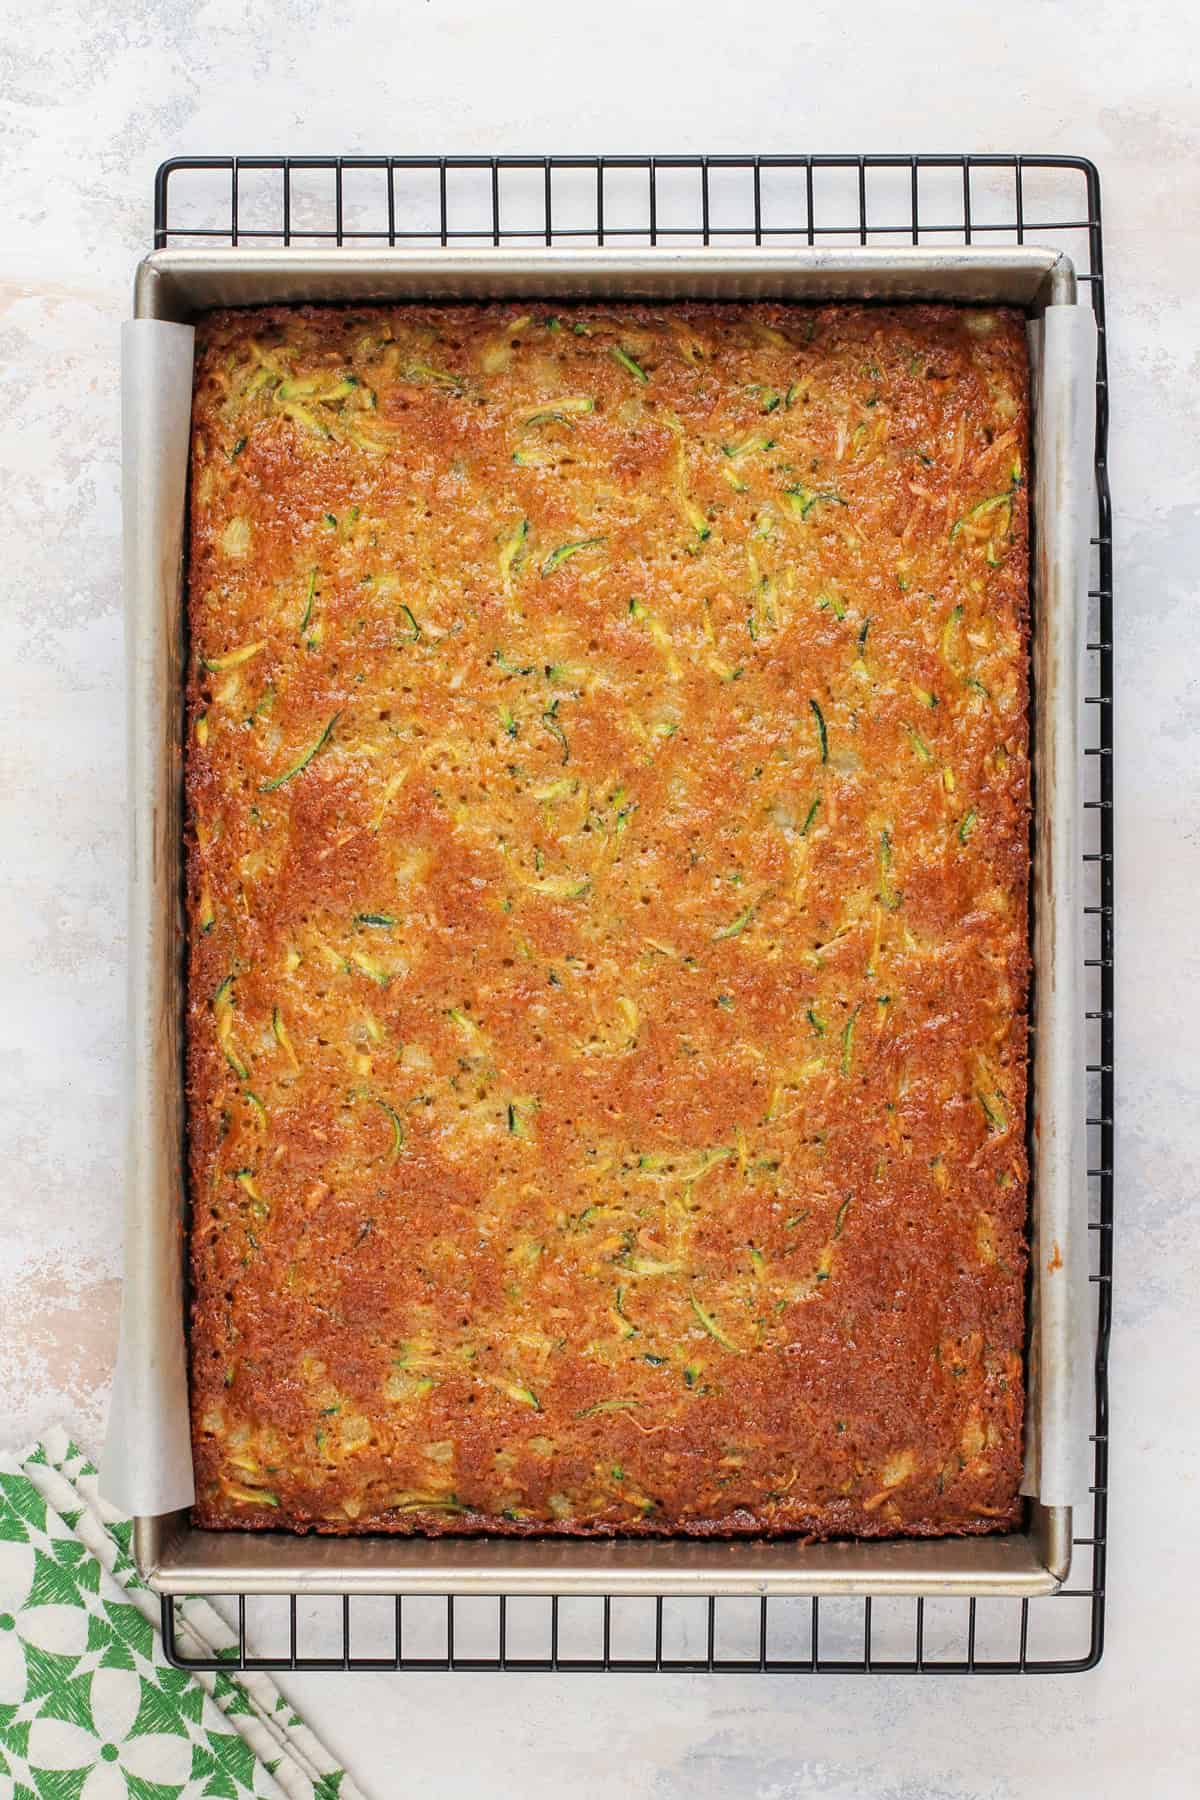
(608, 813)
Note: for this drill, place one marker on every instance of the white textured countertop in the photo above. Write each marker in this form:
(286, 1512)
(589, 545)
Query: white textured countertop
(93, 96)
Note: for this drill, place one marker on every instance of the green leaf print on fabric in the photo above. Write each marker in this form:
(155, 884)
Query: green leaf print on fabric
(64, 1695)
(151, 1790)
(14, 1737)
(19, 1496)
(217, 1785)
(226, 1767)
(84, 1678)
(234, 1755)
(157, 1712)
(62, 1578)
(184, 1692)
(59, 1784)
(230, 1696)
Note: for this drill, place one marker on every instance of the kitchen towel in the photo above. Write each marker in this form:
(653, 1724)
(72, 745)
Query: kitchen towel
(90, 1709)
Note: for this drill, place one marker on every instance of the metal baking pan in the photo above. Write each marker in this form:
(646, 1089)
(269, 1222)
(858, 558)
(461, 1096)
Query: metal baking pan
(177, 285)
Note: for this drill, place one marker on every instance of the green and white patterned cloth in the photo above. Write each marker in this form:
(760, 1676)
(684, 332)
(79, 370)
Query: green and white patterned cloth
(89, 1707)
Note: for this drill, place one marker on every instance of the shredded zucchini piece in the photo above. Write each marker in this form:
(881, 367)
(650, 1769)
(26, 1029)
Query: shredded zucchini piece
(889, 894)
(233, 659)
(397, 1127)
(282, 1038)
(564, 551)
(513, 551)
(561, 411)
(993, 1110)
(981, 510)
(848, 1041)
(223, 1006)
(524, 1396)
(306, 615)
(550, 721)
(802, 499)
(713, 1329)
(822, 733)
(747, 447)
(268, 787)
(736, 926)
(627, 362)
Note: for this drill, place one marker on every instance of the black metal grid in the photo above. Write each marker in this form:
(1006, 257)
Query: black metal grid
(778, 200)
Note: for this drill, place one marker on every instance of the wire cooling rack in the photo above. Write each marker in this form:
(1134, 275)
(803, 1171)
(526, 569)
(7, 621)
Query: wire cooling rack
(780, 200)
